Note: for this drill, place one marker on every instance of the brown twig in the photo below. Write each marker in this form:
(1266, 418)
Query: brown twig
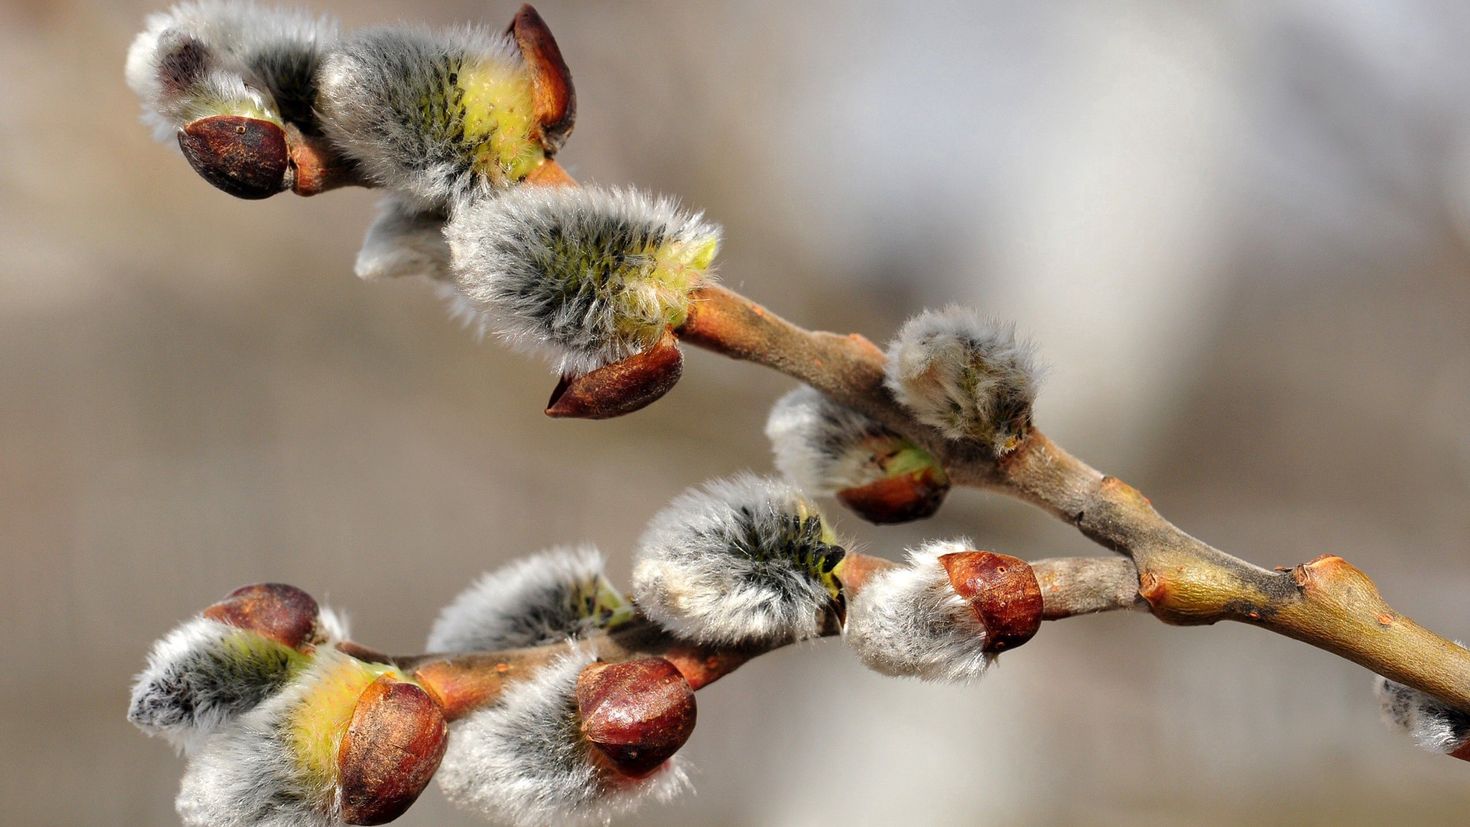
(465, 681)
(1326, 602)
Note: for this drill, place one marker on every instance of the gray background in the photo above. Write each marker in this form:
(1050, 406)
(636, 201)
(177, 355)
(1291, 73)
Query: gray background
(1239, 232)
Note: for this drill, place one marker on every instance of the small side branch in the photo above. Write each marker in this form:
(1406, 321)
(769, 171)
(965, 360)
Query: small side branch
(466, 681)
(1325, 603)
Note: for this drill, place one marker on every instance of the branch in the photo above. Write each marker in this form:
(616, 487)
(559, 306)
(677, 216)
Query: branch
(1326, 603)
(465, 681)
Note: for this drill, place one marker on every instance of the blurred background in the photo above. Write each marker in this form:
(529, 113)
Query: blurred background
(1239, 231)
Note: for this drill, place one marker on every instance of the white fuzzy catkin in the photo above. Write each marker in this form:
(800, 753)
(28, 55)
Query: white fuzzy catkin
(908, 621)
(204, 674)
(819, 444)
(740, 560)
(221, 57)
(524, 761)
(967, 376)
(404, 241)
(584, 275)
(389, 98)
(538, 599)
(249, 775)
(1433, 724)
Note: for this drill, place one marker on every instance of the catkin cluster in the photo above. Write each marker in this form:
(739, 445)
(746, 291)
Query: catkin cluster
(285, 722)
(458, 128)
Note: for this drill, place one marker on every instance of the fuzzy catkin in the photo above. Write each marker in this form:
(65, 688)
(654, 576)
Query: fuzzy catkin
(741, 560)
(439, 117)
(524, 761)
(205, 673)
(218, 57)
(584, 275)
(542, 598)
(821, 446)
(404, 241)
(969, 377)
(254, 773)
(1434, 725)
(908, 621)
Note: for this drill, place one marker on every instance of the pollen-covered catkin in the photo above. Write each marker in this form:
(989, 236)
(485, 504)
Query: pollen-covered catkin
(966, 376)
(740, 560)
(909, 621)
(542, 598)
(585, 275)
(277, 764)
(524, 760)
(1433, 724)
(228, 58)
(439, 117)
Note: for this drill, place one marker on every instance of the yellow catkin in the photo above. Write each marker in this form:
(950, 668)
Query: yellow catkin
(499, 117)
(318, 723)
(659, 297)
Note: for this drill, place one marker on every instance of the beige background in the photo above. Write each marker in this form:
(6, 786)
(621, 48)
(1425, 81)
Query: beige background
(1238, 230)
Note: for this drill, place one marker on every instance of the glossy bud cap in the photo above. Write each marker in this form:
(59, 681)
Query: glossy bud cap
(556, 99)
(637, 713)
(245, 157)
(621, 387)
(1003, 592)
(276, 611)
(391, 749)
(903, 498)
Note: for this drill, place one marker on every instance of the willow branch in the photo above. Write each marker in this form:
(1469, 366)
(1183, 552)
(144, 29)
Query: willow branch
(466, 681)
(1326, 603)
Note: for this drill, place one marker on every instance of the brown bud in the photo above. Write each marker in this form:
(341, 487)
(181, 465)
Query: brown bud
(363, 653)
(1003, 592)
(1463, 753)
(277, 611)
(245, 157)
(391, 749)
(900, 499)
(637, 713)
(556, 99)
(621, 387)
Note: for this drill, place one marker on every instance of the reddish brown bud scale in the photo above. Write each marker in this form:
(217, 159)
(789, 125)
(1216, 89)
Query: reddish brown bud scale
(899, 499)
(1003, 592)
(621, 387)
(556, 99)
(245, 157)
(391, 749)
(363, 653)
(636, 713)
(277, 611)
(1463, 753)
